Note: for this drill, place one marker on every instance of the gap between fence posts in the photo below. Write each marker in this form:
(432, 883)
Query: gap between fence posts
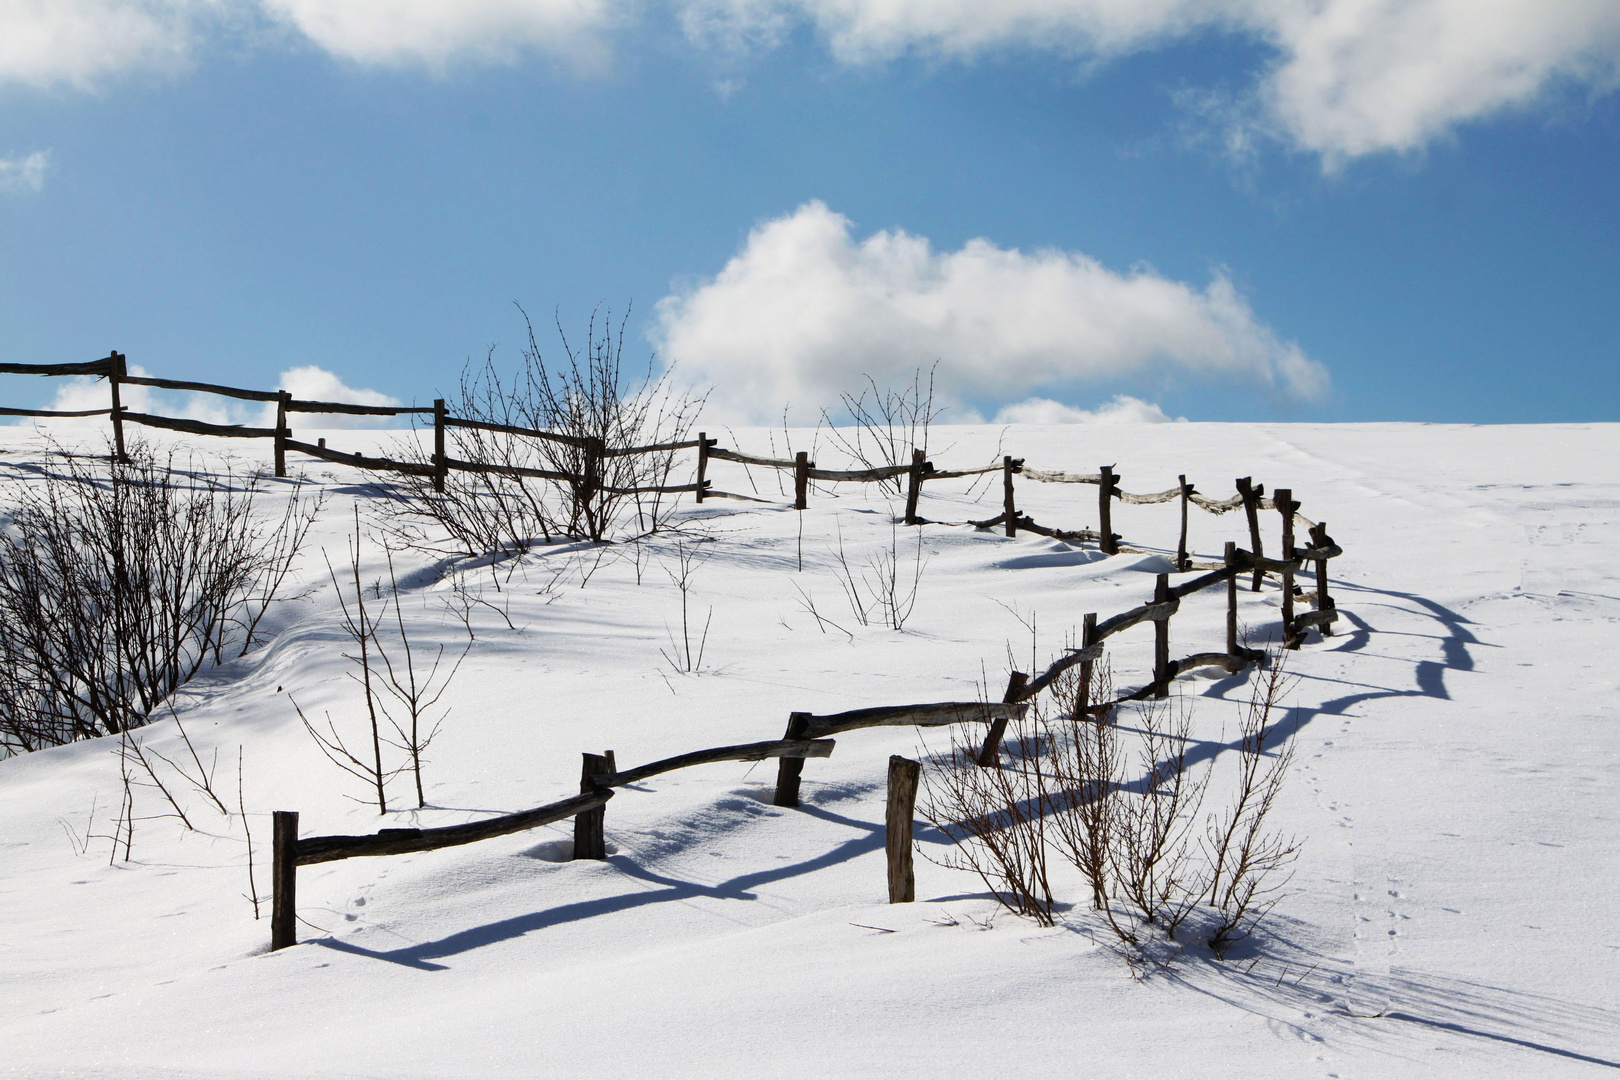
(1161, 640)
(914, 482)
(117, 368)
(1284, 500)
(1107, 486)
(589, 841)
(903, 776)
(441, 466)
(1007, 495)
(788, 769)
(1250, 494)
(284, 880)
(990, 751)
(283, 398)
(801, 483)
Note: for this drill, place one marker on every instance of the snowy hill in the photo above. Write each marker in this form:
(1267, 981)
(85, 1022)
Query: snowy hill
(1455, 788)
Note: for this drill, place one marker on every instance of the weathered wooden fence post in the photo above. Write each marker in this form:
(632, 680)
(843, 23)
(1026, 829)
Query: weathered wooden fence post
(788, 769)
(282, 399)
(702, 465)
(1251, 493)
(441, 467)
(801, 481)
(988, 753)
(1231, 599)
(914, 483)
(903, 776)
(1106, 487)
(1283, 498)
(1088, 638)
(1324, 602)
(1007, 495)
(284, 880)
(117, 368)
(589, 843)
(1183, 560)
(1161, 640)
(591, 489)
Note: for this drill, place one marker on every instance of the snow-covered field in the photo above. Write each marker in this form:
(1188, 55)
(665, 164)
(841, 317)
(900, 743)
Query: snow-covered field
(1455, 788)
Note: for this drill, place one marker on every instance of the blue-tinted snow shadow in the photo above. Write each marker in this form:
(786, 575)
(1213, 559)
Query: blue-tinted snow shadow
(666, 889)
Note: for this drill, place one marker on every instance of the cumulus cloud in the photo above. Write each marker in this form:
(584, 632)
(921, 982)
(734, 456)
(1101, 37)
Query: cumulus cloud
(1123, 409)
(1349, 77)
(805, 311)
(23, 174)
(434, 33)
(309, 383)
(47, 43)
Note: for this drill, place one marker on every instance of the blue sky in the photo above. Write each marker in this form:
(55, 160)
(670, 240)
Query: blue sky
(1219, 208)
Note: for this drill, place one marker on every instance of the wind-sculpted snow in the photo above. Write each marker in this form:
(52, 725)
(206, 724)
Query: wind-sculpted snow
(1454, 786)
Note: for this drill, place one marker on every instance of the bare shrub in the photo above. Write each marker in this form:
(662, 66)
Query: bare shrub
(996, 817)
(886, 424)
(596, 411)
(1249, 859)
(690, 556)
(884, 587)
(121, 581)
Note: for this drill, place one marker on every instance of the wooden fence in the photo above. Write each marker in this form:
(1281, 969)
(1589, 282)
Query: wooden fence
(807, 734)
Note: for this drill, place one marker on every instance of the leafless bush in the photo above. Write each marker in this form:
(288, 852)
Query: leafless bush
(1249, 859)
(399, 690)
(886, 424)
(360, 625)
(996, 817)
(415, 693)
(690, 556)
(884, 587)
(121, 581)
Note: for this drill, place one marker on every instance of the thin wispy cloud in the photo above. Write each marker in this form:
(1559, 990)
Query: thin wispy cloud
(1347, 78)
(805, 311)
(21, 175)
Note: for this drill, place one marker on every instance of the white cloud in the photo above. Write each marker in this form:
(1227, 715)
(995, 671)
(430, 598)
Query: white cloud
(434, 33)
(23, 173)
(309, 383)
(804, 312)
(46, 43)
(1350, 77)
(1123, 409)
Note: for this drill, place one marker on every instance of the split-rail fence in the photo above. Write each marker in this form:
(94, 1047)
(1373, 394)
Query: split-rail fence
(807, 735)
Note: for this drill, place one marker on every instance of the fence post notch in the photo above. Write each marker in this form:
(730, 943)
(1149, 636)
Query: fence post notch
(441, 466)
(284, 880)
(903, 776)
(914, 482)
(1107, 488)
(788, 769)
(1161, 640)
(989, 752)
(117, 368)
(702, 465)
(1251, 493)
(282, 399)
(801, 481)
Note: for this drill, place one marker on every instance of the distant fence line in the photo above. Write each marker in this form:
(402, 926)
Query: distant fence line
(806, 734)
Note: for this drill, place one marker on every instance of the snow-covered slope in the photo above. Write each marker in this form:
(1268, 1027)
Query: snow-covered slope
(1455, 788)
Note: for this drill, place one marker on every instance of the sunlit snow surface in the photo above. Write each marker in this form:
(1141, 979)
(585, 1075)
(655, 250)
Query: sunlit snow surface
(1455, 788)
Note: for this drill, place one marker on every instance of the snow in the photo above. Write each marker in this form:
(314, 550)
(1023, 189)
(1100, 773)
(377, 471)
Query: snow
(1455, 788)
